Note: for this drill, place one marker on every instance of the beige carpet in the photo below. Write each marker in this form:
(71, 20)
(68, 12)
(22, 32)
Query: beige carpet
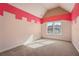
(56, 48)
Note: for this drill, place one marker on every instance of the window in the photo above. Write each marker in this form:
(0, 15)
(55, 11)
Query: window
(54, 27)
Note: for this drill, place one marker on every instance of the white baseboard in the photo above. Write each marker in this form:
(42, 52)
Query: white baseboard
(28, 40)
(75, 47)
(11, 47)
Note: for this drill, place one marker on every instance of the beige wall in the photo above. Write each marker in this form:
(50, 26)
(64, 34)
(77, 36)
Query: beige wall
(75, 33)
(17, 32)
(1, 31)
(66, 32)
(66, 25)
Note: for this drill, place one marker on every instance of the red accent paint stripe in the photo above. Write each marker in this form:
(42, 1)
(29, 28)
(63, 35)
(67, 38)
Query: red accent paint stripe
(66, 16)
(1, 13)
(19, 14)
(75, 11)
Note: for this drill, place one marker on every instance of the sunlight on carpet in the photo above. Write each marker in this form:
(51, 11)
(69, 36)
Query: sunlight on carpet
(40, 43)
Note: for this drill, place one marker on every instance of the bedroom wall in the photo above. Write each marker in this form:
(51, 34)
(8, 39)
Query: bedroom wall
(1, 31)
(56, 15)
(66, 32)
(75, 26)
(17, 32)
(75, 33)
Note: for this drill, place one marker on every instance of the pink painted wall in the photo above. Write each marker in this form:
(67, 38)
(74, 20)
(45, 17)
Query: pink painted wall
(75, 26)
(1, 31)
(16, 32)
(75, 33)
(17, 27)
(65, 35)
(58, 14)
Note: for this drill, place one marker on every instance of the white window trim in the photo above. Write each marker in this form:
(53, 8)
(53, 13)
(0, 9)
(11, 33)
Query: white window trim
(54, 33)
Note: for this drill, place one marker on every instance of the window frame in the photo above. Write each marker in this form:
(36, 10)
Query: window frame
(54, 27)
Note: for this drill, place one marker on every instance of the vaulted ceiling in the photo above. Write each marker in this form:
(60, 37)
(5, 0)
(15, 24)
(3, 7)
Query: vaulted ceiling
(39, 9)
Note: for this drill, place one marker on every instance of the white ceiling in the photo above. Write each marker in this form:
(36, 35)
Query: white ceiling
(67, 6)
(39, 9)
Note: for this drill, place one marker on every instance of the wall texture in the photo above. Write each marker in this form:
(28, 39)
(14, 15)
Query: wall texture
(75, 26)
(66, 32)
(1, 31)
(66, 25)
(16, 32)
(75, 33)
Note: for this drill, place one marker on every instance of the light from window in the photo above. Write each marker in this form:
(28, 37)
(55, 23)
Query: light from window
(54, 27)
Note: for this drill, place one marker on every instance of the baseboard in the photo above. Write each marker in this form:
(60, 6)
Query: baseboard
(11, 47)
(75, 47)
(15, 45)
